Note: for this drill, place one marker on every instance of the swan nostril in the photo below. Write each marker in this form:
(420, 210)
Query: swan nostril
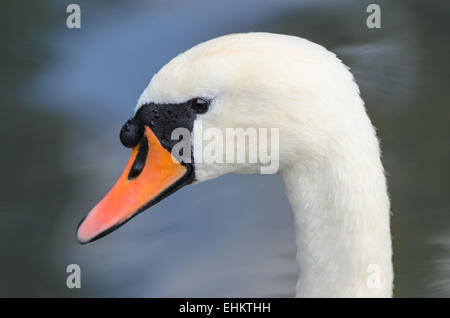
(131, 133)
(139, 162)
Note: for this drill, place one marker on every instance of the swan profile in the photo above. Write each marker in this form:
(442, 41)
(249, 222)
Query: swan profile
(329, 157)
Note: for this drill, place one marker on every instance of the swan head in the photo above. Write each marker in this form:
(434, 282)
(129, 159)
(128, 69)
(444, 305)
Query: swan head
(275, 86)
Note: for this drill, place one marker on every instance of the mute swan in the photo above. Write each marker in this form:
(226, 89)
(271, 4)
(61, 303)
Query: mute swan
(329, 156)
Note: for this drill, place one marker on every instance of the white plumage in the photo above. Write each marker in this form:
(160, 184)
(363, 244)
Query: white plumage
(329, 154)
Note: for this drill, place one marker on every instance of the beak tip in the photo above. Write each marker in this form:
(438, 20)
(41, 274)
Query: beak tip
(80, 239)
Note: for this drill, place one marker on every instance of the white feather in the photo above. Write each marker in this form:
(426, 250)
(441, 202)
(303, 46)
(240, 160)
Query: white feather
(329, 153)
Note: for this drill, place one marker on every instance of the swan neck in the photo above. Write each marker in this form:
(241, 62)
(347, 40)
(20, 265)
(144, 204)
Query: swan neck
(341, 211)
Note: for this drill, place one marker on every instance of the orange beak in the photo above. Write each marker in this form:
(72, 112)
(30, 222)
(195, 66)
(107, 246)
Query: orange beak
(150, 175)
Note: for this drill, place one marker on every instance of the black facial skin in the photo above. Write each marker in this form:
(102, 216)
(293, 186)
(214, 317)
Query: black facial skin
(131, 132)
(162, 119)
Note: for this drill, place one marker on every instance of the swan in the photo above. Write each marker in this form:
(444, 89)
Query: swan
(328, 155)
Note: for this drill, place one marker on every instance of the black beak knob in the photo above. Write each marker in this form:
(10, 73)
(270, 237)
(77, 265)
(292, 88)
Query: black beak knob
(131, 133)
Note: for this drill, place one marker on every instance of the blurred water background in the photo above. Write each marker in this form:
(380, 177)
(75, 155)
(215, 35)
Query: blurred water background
(65, 94)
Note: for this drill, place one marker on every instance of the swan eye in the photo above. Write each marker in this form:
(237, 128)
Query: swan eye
(199, 105)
